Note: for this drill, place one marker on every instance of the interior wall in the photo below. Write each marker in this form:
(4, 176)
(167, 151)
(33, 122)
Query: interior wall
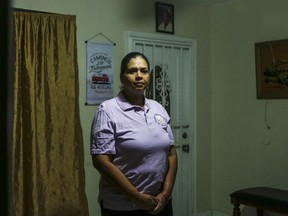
(112, 18)
(244, 152)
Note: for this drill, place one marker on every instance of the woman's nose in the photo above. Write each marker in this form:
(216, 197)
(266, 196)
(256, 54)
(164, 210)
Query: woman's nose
(138, 74)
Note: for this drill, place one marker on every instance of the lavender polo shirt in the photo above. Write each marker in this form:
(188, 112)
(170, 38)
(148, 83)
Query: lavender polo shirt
(139, 141)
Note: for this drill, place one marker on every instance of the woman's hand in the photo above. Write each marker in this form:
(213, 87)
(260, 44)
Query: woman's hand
(160, 204)
(146, 202)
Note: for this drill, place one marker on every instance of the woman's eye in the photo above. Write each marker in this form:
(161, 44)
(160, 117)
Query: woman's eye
(144, 71)
(131, 71)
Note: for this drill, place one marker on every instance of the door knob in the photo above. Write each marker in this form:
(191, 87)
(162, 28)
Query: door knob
(184, 135)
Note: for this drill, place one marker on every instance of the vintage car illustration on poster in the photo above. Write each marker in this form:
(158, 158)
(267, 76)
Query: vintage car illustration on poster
(104, 79)
(100, 81)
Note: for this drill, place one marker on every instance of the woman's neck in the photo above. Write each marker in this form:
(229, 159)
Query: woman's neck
(135, 99)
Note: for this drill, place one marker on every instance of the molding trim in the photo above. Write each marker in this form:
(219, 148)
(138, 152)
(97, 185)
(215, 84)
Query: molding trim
(215, 213)
(212, 213)
(207, 213)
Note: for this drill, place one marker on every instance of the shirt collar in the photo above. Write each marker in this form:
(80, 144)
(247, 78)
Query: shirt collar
(125, 105)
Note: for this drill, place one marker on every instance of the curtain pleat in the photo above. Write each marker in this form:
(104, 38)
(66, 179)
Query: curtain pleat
(47, 154)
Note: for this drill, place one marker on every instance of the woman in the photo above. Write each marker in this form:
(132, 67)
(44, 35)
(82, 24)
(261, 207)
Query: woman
(132, 146)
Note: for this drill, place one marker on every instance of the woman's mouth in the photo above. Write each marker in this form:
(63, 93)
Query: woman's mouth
(139, 84)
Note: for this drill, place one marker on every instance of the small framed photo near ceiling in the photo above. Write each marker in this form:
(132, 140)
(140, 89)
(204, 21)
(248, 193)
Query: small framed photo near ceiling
(272, 69)
(164, 18)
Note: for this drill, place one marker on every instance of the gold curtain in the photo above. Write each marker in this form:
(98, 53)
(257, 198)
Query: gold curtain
(47, 168)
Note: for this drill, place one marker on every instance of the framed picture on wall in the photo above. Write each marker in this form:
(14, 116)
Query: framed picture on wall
(164, 18)
(272, 69)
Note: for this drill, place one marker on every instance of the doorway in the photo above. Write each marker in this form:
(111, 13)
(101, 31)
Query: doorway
(173, 78)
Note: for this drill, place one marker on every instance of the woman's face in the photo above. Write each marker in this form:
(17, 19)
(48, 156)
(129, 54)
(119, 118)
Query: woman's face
(137, 77)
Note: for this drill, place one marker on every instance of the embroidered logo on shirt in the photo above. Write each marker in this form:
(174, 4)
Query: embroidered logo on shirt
(160, 120)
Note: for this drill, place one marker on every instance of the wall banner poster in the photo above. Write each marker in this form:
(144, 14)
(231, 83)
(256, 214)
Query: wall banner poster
(100, 78)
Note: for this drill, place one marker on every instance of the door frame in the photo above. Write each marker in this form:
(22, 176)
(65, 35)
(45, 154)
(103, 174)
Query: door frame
(128, 46)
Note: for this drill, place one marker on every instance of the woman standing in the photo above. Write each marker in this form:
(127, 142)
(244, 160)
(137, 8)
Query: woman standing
(132, 146)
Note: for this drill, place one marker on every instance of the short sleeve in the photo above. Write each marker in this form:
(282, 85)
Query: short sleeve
(102, 134)
(168, 129)
(170, 134)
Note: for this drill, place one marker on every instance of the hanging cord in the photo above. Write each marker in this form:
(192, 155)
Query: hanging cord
(101, 35)
(265, 116)
(267, 125)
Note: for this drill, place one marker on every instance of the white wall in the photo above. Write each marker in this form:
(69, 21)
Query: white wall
(112, 18)
(239, 159)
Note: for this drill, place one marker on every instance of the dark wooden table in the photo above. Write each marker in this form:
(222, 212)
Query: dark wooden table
(262, 198)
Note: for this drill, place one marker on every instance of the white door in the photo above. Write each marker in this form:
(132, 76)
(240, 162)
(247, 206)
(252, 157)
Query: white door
(173, 84)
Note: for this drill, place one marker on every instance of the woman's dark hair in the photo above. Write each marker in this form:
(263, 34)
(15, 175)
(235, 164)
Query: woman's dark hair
(130, 56)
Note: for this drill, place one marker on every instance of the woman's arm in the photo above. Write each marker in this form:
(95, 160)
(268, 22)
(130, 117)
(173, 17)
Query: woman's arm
(171, 174)
(119, 181)
(169, 181)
